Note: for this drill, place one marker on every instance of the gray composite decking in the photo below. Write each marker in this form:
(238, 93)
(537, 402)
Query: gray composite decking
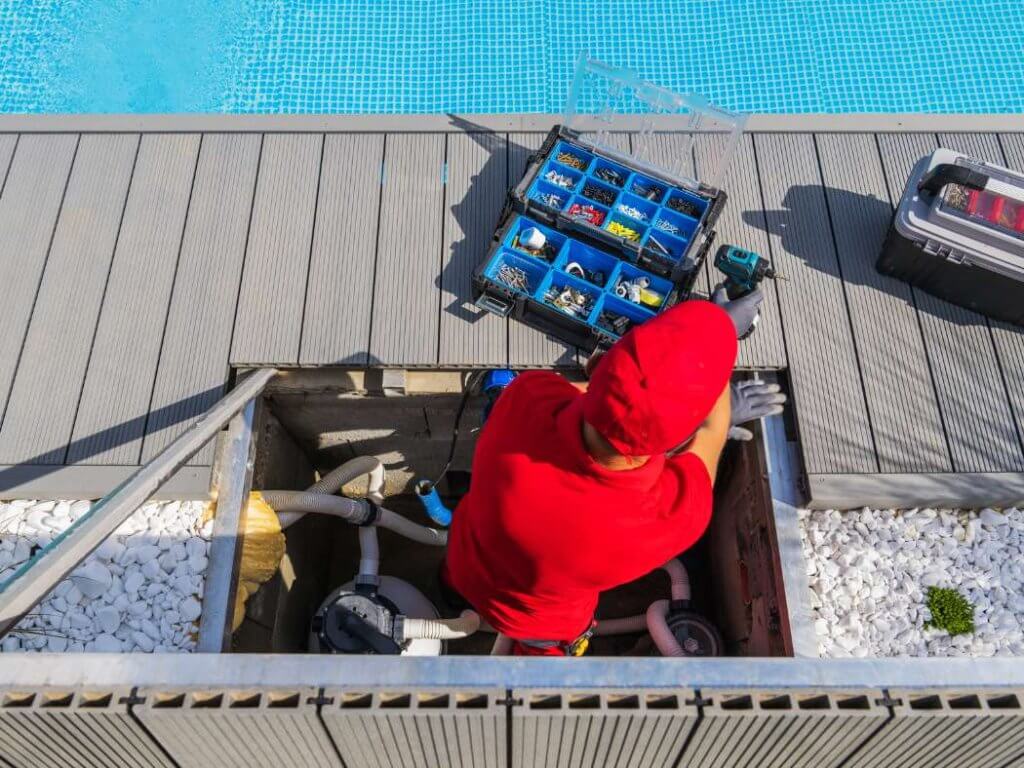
(140, 267)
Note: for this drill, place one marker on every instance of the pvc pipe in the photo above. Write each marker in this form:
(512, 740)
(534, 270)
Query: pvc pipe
(680, 579)
(441, 629)
(369, 554)
(627, 625)
(409, 529)
(355, 511)
(349, 471)
(502, 646)
(662, 636)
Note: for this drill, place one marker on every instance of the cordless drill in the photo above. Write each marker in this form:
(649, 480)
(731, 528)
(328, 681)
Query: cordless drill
(744, 271)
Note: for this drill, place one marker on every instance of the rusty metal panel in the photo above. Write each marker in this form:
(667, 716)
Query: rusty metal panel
(409, 729)
(948, 729)
(608, 728)
(238, 728)
(64, 728)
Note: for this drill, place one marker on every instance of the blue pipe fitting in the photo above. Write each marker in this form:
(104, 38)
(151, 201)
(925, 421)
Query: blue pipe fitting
(432, 504)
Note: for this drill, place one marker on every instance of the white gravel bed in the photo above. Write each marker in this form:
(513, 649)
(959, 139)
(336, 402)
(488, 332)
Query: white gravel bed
(141, 590)
(869, 573)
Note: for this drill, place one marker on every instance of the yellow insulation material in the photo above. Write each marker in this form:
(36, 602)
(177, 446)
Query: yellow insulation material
(262, 550)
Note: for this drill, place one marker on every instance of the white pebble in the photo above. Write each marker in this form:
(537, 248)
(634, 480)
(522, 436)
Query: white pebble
(109, 619)
(92, 579)
(107, 643)
(190, 608)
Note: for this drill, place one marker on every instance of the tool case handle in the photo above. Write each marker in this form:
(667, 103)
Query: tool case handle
(948, 173)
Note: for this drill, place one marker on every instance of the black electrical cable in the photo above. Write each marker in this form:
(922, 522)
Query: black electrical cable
(471, 384)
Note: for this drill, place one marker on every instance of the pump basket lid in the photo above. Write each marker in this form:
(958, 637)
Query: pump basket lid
(604, 99)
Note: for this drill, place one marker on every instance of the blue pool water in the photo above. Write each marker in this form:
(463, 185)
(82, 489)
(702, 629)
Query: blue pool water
(352, 56)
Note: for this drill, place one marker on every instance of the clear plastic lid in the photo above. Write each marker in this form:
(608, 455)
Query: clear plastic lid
(604, 99)
(1000, 206)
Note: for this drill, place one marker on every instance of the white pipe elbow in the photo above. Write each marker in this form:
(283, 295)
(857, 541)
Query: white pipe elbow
(441, 629)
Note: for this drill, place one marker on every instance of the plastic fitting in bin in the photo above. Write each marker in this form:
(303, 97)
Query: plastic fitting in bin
(569, 295)
(586, 211)
(640, 287)
(636, 208)
(548, 195)
(626, 228)
(586, 263)
(562, 177)
(553, 240)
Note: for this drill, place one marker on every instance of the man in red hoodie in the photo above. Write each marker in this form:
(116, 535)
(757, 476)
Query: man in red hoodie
(576, 492)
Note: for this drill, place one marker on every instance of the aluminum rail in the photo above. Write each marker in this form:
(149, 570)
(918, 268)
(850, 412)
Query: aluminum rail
(35, 578)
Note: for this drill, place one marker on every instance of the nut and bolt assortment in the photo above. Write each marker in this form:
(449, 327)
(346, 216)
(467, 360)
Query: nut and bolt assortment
(610, 176)
(572, 301)
(514, 277)
(639, 291)
(587, 213)
(617, 324)
(633, 212)
(684, 206)
(569, 159)
(650, 192)
(598, 194)
(621, 230)
(559, 180)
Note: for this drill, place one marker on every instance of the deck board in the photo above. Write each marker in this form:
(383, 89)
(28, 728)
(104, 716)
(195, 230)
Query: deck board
(901, 397)
(475, 193)
(528, 347)
(743, 223)
(357, 249)
(339, 298)
(972, 396)
(36, 429)
(193, 367)
(406, 294)
(119, 383)
(827, 392)
(31, 201)
(277, 258)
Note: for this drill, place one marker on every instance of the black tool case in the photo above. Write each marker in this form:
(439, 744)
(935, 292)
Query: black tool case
(958, 234)
(608, 213)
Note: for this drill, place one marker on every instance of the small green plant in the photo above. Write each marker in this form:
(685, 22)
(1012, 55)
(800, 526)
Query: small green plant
(950, 611)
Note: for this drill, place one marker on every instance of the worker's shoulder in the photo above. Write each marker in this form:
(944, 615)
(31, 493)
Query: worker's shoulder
(532, 384)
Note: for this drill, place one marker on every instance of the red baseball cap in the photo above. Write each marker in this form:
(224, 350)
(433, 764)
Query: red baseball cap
(657, 384)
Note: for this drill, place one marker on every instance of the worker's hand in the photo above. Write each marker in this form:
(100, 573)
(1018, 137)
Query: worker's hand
(752, 400)
(742, 311)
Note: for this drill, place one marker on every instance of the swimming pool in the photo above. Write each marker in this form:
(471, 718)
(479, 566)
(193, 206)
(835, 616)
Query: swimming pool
(363, 56)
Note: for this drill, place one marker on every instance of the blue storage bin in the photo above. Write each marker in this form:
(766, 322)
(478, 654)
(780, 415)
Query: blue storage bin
(559, 281)
(555, 239)
(550, 196)
(560, 176)
(625, 221)
(671, 247)
(611, 307)
(629, 273)
(590, 260)
(534, 270)
(675, 224)
(636, 208)
(647, 188)
(608, 172)
(685, 203)
(572, 157)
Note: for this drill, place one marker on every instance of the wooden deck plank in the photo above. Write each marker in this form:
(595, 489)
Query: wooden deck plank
(339, 297)
(268, 324)
(31, 200)
(742, 223)
(91, 481)
(8, 141)
(475, 193)
(835, 431)
(406, 294)
(528, 347)
(36, 429)
(193, 367)
(1006, 150)
(902, 401)
(119, 383)
(972, 397)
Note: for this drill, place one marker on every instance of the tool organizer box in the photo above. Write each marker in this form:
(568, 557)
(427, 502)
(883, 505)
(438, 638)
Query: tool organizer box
(617, 218)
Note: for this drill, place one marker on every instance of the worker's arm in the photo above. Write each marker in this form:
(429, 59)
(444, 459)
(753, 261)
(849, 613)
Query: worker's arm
(710, 439)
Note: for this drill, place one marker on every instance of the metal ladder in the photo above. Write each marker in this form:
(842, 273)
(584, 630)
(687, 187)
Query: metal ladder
(47, 567)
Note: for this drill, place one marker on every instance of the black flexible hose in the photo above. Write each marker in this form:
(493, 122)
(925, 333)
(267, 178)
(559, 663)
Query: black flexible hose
(471, 384)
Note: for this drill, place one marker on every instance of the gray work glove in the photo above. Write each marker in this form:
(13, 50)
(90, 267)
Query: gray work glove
(750, 400)
(742, 311)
